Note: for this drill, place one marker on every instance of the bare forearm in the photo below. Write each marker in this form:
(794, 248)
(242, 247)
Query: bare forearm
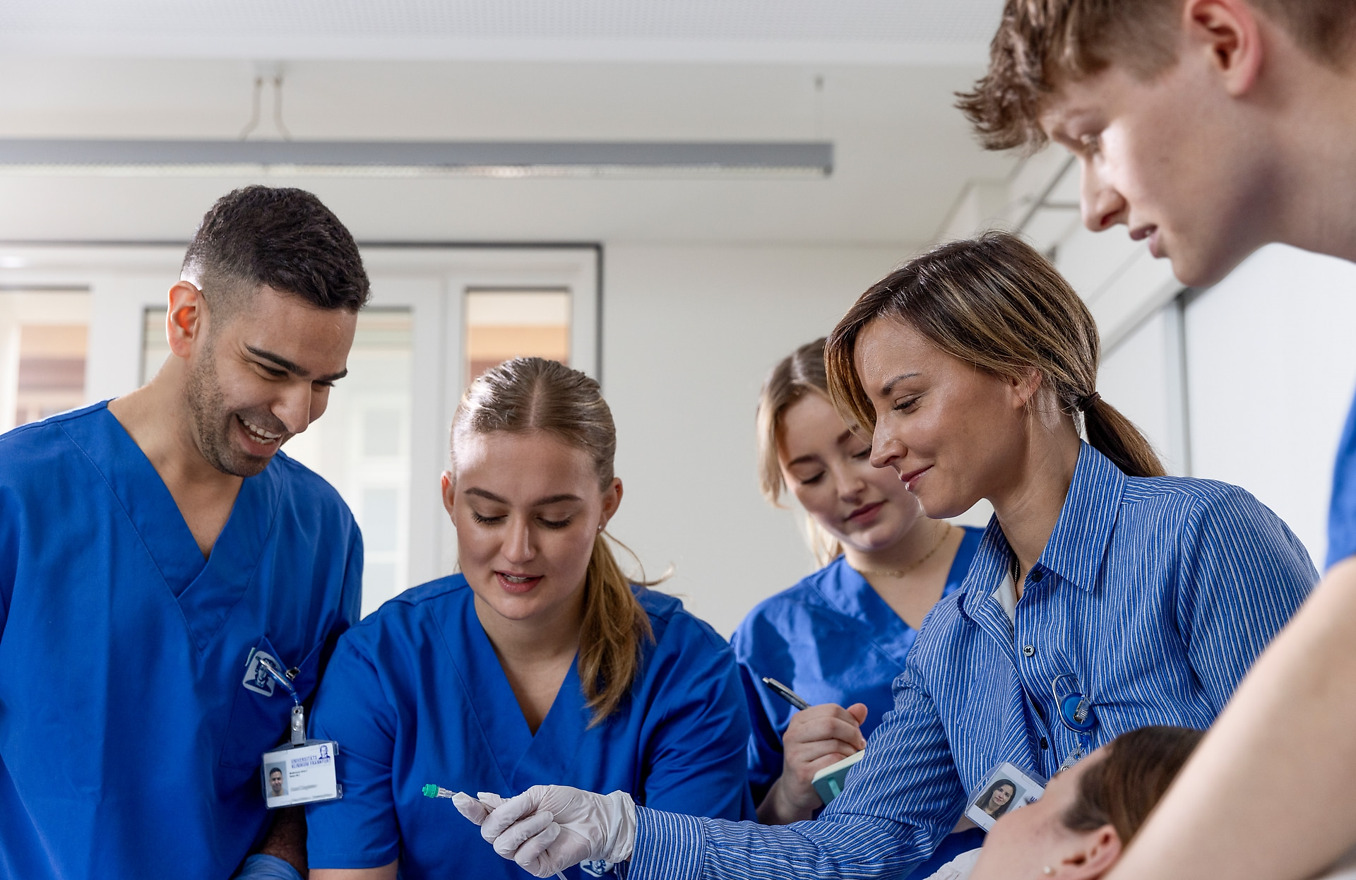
(286, 839)
(1261, 799)
(385, 872)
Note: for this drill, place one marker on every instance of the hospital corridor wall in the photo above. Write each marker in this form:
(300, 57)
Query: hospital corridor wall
(1249, 381)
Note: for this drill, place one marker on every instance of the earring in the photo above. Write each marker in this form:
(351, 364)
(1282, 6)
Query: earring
(1048, 871)
(600, 526)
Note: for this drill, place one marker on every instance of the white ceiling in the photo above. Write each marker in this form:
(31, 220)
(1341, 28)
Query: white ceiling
(876, 77)
(633, 30)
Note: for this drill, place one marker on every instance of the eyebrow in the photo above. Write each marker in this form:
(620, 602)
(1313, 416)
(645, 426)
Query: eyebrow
(890, 385)
(540, 502)
(810, 458)
(291, 367)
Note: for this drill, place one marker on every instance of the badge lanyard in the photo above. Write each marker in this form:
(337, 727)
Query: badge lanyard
(1076, 713)
(303, 771)
(298, 726)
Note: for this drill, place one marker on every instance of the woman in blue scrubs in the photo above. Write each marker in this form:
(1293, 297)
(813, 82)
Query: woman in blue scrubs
(1103, 597)
(539, 663)
(839, 637)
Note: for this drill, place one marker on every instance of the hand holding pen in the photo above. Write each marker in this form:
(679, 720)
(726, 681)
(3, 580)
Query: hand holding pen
(816, 737)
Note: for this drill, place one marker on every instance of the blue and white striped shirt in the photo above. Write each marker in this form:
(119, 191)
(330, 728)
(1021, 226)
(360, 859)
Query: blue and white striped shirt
(1153, 594)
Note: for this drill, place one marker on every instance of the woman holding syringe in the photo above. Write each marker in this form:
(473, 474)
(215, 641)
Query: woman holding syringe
(539, 663)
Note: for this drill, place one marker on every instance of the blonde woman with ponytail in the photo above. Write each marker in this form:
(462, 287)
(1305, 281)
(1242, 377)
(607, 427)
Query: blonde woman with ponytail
(539, 663)
(1103, 597)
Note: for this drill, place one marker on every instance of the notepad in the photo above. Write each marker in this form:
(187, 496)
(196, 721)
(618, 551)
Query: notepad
(829, 781)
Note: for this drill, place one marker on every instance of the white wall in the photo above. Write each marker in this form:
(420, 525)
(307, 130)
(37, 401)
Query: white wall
(1142, 378)
(1270, 369)
(689, 334)
(1249, 382)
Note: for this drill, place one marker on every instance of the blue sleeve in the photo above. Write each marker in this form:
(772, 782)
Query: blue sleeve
(350, 593)
(264, 867)
(9, 552)
(359, 830)
(1243, 574)
(1342, 508)
(695, 760)
(350, 602)
(767, 721)
(899, 802)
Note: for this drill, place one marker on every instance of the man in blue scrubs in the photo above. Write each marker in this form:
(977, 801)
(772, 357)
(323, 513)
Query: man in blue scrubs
(154, 549)
(1210, 128)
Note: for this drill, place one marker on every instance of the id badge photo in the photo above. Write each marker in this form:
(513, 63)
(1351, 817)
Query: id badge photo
(300, 774)
(1006, 788)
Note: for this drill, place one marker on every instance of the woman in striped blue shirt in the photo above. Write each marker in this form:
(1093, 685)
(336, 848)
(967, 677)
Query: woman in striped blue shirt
(1103, 597)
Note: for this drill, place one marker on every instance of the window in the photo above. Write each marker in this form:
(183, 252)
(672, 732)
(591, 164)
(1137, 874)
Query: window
(437, 315)
(503, 324)
(44, 336)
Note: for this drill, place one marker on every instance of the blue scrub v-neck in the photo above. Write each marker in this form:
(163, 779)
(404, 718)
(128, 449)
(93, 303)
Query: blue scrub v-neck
(500, 715)
(205, 589)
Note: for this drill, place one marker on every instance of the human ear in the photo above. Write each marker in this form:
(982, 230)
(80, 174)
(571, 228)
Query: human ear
(184, 318)
(1092, 856)
(448, 490)
(1229, 34)
(1024, 387)
(612, 497)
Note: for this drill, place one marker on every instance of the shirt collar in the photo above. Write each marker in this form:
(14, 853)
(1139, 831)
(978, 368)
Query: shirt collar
(1079, 542)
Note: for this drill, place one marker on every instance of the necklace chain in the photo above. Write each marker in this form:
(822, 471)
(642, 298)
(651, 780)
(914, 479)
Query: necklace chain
(900, 572)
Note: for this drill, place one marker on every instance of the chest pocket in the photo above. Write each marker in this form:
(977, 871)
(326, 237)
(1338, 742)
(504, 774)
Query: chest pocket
(262, 708)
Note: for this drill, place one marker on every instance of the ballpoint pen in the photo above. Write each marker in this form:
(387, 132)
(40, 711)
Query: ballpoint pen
(785, 693)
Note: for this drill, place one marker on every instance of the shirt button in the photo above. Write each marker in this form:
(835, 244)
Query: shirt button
(1035, 576)
(1029, 651)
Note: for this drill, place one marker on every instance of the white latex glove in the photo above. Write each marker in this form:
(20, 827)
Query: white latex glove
(551, 827)
(477, 808)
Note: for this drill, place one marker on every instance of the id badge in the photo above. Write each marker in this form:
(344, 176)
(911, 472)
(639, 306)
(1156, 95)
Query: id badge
(300, 774)
(1006, 788)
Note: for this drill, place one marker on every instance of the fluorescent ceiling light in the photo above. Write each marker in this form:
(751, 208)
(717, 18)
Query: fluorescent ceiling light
(417, 158)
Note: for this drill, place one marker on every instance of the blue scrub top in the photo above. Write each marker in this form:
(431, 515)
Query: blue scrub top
(130, 743)
(1342, 511)
(415, 695)
(832, 639)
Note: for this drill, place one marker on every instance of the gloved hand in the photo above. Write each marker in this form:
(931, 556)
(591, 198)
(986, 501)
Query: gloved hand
(477, 808)
(551, 827)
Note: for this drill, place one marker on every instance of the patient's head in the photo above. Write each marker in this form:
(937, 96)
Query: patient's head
(1089, 812)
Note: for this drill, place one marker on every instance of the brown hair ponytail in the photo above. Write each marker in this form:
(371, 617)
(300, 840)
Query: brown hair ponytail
(1116, 437)
(996, 303)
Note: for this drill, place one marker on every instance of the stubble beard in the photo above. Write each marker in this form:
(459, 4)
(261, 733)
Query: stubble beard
(212, 424)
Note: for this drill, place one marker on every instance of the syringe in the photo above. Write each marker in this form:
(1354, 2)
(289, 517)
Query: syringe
(437, 791)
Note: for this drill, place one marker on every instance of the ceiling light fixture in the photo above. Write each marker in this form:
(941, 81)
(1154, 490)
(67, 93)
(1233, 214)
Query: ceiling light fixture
(416, 158)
